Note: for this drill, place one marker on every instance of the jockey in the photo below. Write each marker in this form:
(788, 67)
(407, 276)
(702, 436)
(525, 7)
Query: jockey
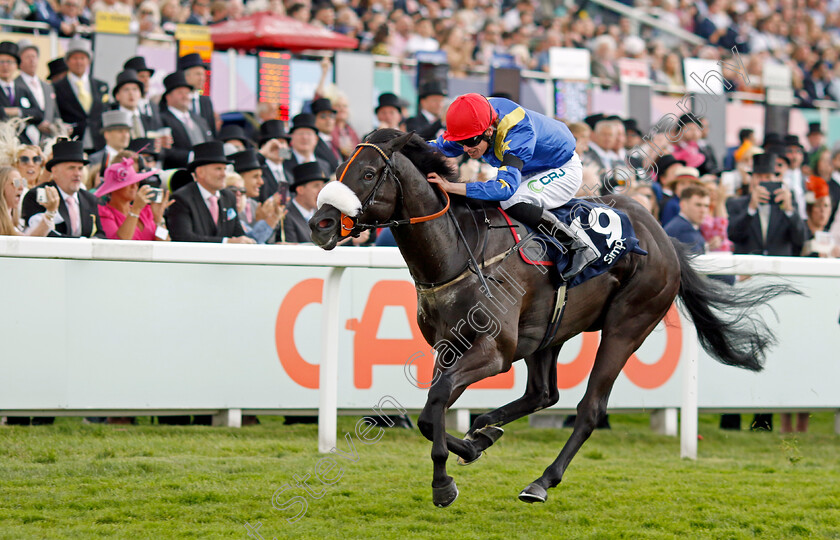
(538, 167)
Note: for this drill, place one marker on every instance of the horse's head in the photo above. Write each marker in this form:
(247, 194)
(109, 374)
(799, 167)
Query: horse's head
(366, 192)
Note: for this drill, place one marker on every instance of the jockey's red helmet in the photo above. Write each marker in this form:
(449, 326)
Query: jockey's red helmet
(469, 116)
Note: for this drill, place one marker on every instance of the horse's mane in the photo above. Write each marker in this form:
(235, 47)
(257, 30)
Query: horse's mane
(423, 156)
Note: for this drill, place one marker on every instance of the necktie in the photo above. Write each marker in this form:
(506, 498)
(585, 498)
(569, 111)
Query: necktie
(214, 208)
(194, 132)
(249, 214)
(84, 96)
(73, 211)
(11, 94)
(137, 130)
(196, 106)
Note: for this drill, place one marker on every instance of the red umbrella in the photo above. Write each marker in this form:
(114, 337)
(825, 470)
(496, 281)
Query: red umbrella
(265, 30)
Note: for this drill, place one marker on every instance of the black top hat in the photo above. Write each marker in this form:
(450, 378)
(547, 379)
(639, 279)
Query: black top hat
(126, 77)
(191, 60)
(388, 100)
(67, 151)
(687, 118)
(57, 67)
(764, 164)
(305, 173)
(431, 88)
(138, 64)
(320, 105)
(178, 178)
(272, 129)
(665, 162)
(175, 80)
(631, 125)
(244, 161)
(10, 48)
(779, 151)
(144, 144)
(232, 132)
(593, 119)
(304, 120)
(793, 140)
(814, 127)
(772, 139)
(207, 154)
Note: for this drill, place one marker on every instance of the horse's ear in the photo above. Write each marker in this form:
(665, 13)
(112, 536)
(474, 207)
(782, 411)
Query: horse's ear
(396, 144)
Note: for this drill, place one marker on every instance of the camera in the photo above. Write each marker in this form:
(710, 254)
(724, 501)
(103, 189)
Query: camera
(156, 195)
(41, 196)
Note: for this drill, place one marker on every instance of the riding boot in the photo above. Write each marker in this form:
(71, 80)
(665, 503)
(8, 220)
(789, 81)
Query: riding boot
(582, 252)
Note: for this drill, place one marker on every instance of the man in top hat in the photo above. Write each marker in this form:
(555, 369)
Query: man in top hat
(685, 226)
(309, 180)
(195, 70)
(144, 75)
(633, 135)
(682, 178)
(128, 94)
(388, 111)
(78, 213)
(42, 91)
(116, 128)
(275, 151)
(428, 121)
(765, 222)
(795, 153)
(325, 122)
(304, 140)
(81, 98)
(815, 138)
(188, 129)
(58, 70)
(203, 211)
(604, 138)
(16, 101)
(234, 135)
(258, 219)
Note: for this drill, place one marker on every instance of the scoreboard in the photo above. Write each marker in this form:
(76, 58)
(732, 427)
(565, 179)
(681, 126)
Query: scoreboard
(274, 83)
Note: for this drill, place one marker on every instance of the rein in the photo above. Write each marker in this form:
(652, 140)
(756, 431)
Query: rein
(349, 224)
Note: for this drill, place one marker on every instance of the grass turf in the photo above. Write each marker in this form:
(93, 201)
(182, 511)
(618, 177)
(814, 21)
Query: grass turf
(80, 481)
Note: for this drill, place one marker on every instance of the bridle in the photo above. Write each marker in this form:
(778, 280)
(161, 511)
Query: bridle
(349, 224)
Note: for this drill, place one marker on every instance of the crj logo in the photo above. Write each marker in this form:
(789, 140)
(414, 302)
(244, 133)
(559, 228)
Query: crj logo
(369, 350)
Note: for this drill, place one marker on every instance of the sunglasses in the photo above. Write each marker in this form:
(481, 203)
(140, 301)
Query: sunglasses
(18, 183)
(239, 190)
(471, 142)
(26, 160)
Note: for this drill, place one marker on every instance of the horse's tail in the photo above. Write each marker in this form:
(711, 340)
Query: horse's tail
(728, 325)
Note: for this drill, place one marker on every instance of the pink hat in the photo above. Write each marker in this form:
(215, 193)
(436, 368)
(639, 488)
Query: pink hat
(119, 175)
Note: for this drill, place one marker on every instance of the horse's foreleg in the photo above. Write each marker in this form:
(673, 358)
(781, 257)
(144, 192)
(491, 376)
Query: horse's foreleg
(432, 423)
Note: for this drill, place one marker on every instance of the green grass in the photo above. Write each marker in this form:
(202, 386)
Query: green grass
(94, 481)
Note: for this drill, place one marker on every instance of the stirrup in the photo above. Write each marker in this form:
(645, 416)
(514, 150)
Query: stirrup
(582, 256)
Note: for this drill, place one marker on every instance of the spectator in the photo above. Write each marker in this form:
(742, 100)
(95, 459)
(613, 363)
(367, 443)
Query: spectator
(685, 227)
(188, 129)
(81, 98)
(671, 73)
(128, 93)
(746, 139)
(422, 40)
(388, 113)
(171, 15)
(259, 220)
(131, 213)
(714, 227)
(199, 12)
(794, 152)
(42, 91)
(234, 136)
(489, 43)
(16, 101)
(833, 178)
(58, 70)
(603, 60)
(604, 139)
(818, 204)
(42, 11)
(582, 134)
(148, 18)
(202, 211)
(195, 71)
(304, 139)
(428, 121)
(110, 6)
(457, 47)
(344, 137)
(219, 12)
(309, 180)
(145, 149)
(73, 22)
(819, 85)
(275, 151)
(12, 185)
(324, 16)
(144, 75)
(816, 140)
(687, 148)
(325, 123)
(116, 127)
(29, 161)
(645, 196)
(78, 213)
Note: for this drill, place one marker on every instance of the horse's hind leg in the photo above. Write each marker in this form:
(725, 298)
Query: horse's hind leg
(618, 342)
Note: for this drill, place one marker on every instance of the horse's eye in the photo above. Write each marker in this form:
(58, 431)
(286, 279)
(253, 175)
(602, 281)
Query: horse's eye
(368, 175)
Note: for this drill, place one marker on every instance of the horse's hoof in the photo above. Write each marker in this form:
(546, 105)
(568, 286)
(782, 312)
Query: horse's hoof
(533, 493)
(491, 433)
(446, 495)
(461, 460)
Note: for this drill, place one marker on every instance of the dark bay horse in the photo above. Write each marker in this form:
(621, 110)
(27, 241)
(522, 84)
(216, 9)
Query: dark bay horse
(476, 336)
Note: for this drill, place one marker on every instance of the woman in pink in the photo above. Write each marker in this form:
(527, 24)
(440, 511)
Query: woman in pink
(128, 215)
(714, 226)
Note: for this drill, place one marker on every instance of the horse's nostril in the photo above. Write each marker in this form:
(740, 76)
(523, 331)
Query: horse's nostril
(325, 223)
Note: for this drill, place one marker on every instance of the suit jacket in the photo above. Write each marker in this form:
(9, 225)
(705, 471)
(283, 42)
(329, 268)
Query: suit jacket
(834, 192)
(72, 112)
(270, 182)
(681, 229)
(325, 152)
(150, 122)
(176, 157)
(421, 125)
(25, 101)
(292, 162)
(205, 105)
(710, 164)
(189, 220)
(88, 212)
(785, 234)
(50, 109)
(296, 227)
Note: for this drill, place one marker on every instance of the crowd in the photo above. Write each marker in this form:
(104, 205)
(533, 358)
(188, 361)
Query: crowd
(81, 157)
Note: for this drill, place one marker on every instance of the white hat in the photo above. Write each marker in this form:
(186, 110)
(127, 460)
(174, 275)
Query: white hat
(78, 44)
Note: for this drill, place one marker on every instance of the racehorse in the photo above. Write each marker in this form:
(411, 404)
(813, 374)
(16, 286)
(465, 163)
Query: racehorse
(384, 184)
